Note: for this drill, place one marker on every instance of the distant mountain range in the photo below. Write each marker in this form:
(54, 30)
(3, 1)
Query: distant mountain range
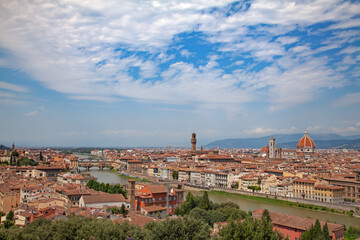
(289, 141)
(2, 147)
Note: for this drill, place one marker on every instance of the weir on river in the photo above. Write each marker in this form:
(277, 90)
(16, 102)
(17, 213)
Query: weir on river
(245, 204)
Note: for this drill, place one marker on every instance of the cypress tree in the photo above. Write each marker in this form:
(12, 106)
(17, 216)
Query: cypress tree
(10, 216)
(326, 232)
(204, 202)
(317, 232)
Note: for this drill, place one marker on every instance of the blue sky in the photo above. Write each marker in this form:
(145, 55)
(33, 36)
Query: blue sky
(149, 73)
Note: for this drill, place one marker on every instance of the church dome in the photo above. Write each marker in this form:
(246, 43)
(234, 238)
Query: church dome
(265, 149)
(306, 142)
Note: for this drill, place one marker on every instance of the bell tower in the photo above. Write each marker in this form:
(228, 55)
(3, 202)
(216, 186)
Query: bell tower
(193, 142)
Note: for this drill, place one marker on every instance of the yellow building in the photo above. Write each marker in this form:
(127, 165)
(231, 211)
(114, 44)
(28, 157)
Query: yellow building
(317, 191)
(332, 194)
(304, 188)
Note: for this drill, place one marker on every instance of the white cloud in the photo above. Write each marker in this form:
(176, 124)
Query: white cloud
(185, 53)
(75, 133)
(260, 130)
(86, 49)
(30, 114)
(350, 50)
(95, 98)
(346, 24)
(345, 130)
(314, 128)
(287, 40)
(348, 99)
(13, 102)
(34, 113)
(12, 87)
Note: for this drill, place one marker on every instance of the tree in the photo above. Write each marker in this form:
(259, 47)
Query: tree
(204, 202)
(15, 153)
(259, 181)
(10, 216)
(352, 233)
(315, 232)
(249, 229)
(253, 188)
(112, 189)
(188, 204)
(123, 210)
(266, 226)
(181, 228)
(8, 224)
(175, 175)
(209, 217)
(326, 232)
(41, 158)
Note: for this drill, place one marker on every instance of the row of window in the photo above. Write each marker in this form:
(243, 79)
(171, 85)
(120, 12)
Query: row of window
(149, 200)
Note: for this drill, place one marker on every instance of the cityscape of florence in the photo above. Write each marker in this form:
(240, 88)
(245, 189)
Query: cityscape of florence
(180, 119)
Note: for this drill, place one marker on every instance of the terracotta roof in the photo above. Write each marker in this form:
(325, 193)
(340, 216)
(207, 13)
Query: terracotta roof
(156, 188)
(305, 180)
(329, 187)
(137, 220)
(154, 208)
(265, 149)
(306, 142)
(294, 221)
(102, 198)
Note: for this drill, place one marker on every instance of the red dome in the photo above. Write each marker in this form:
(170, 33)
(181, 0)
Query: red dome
(265, 149)
(306, 142)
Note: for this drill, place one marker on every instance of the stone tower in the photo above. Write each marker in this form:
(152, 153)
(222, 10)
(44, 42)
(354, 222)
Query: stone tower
(131, 193)
(272, 148)
(278, 153)
(193, 142)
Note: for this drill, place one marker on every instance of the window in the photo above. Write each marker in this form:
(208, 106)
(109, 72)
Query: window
(159, 198)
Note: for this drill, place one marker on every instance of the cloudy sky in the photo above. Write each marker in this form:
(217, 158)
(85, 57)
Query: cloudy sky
(149, 73)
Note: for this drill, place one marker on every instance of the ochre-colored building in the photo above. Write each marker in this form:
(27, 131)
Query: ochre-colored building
(155, 195)
(8, 199)
(304, 188)
(332, 194)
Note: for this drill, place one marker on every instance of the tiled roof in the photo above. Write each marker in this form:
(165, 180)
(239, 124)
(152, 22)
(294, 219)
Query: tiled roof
(102, 198)
(154, 208)
(294, 221)
(156, 188)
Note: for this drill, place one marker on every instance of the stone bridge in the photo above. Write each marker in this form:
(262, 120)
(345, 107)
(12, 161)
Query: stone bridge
(97, 163)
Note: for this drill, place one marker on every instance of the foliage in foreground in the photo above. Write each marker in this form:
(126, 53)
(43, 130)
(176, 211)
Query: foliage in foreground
(77, 228)
(352, 233)
(315, 232)
(251, 228)
(202, 208)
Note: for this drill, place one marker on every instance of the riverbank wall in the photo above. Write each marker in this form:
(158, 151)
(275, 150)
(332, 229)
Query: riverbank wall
(295, 200)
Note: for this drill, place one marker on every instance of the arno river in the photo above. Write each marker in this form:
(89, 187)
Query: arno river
(245, 204)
